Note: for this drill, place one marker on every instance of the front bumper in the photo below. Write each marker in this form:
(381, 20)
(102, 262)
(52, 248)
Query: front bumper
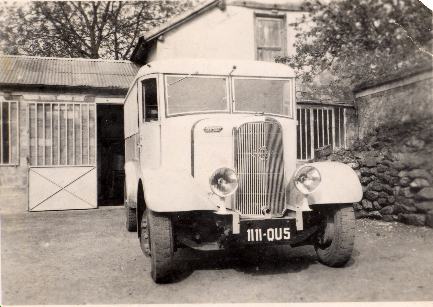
(210, 231)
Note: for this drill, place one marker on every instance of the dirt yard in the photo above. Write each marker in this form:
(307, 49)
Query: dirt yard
(87, 257)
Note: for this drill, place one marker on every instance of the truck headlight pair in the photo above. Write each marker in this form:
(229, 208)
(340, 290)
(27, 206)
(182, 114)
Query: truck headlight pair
(224, 182)
(307, 179)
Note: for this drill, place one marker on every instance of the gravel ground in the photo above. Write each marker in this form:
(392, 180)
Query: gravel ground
(87, 257)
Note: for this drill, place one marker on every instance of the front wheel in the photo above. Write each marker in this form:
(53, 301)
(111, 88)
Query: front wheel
(161, 246)
(334, 243)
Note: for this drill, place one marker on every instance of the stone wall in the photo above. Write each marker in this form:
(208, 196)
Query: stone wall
(395, 101)
(395, 166)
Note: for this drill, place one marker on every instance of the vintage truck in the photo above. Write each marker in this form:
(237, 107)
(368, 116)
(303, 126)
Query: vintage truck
(211, 164)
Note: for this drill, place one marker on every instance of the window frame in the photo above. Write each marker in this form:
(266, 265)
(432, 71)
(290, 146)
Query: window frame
(292, 98)
(143, 97)
(16, 160)
(283, 19)
(228, 96)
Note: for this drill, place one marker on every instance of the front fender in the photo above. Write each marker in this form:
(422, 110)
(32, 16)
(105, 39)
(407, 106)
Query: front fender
(339, 184)
(169, 191)
(131, 181)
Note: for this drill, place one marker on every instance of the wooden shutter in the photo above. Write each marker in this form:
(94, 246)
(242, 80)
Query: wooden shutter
(270, 37)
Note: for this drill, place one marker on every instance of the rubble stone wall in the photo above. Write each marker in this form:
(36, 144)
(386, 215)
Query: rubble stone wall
(395, 167)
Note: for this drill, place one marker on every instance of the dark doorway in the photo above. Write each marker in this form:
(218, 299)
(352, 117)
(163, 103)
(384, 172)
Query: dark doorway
(111, 155)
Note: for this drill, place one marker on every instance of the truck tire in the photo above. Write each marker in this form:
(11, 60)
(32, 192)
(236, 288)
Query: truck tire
(161, 246)
(335, 241)
(144, 234)
(131, 219)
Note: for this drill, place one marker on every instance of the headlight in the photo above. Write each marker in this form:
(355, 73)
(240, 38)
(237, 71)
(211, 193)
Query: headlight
(307, 179)
(223, 182)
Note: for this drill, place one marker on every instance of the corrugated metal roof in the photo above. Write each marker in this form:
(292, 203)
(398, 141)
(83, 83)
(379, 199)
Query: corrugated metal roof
(68, 72)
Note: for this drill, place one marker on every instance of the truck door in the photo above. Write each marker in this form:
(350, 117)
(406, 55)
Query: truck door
(149, 124)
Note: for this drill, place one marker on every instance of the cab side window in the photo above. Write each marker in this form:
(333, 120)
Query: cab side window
(150, 100)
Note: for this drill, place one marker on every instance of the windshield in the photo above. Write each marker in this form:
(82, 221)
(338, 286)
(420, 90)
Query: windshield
(271, 96)
(192, 94)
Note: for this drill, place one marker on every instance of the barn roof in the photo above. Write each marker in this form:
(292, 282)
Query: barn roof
(66, 72)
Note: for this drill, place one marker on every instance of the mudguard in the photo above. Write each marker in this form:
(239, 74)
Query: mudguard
(131, 179)
(339, 184)
(170, 191)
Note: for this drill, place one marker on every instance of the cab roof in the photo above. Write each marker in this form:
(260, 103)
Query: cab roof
(218, 67)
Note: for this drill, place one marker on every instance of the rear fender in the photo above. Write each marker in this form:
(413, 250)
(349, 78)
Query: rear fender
(339, 184)
(169, 191)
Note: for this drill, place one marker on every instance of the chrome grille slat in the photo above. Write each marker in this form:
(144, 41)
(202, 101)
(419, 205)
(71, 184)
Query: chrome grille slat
(261, 181)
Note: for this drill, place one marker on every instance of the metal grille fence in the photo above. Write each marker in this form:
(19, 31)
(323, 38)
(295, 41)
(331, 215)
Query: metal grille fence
(319, 127)
(62, 134)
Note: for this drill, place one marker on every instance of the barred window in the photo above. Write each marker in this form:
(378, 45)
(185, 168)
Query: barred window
(319, 127)
(9, 133)
(62, 134)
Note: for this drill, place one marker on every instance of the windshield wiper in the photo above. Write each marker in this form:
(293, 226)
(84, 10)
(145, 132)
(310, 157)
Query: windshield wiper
(183, 78)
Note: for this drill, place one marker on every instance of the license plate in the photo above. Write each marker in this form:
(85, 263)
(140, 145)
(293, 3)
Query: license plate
(266, 231)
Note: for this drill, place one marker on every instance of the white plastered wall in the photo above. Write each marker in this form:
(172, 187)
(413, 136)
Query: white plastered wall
(219, 34)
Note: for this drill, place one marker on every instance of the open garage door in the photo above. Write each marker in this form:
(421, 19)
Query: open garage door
(62, 172)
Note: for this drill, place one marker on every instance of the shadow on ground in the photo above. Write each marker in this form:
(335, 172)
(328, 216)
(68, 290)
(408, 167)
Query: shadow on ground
(251, 260)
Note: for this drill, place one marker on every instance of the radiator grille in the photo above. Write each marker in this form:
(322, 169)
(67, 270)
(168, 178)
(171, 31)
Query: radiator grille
(260, 168)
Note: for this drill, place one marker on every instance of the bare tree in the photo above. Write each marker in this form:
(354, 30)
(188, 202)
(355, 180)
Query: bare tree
(104, 29)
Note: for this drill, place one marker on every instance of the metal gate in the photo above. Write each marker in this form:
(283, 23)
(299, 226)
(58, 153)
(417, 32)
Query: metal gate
(319, 127)
(62, 156)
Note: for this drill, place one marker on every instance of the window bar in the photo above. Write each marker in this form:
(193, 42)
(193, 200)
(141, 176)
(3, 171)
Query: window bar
(66, 133)
(329, 126)
(81, 134)
(73, 134)
(333, 128)
(344, 127)
(305, 134)
(323, 128)
(339, 127)
(10, 132)
(1, 132)
(37, 136)
(28, 132)
(300, 132)
(43, 134)
(318, 128)
(58, 134)
(18, 134)
(88, 134)
(51, 133)
(312, 133)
